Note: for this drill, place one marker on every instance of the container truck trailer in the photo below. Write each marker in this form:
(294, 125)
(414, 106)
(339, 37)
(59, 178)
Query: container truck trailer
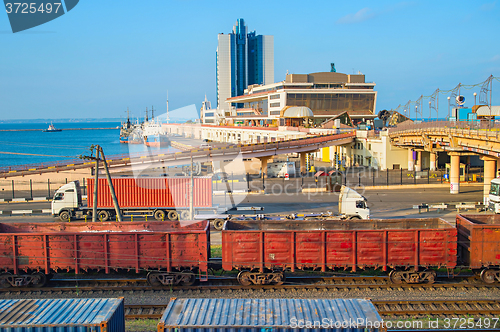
(163, 198)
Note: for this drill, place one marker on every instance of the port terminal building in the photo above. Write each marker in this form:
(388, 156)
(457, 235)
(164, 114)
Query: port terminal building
(327, 95)
(303, 105)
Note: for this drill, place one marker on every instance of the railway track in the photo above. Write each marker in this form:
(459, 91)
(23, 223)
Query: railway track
(230, 281)
(438, 307)
(427, 308)
(121, 286)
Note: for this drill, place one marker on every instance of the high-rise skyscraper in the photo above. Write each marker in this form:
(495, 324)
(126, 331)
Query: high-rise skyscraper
(243, 59)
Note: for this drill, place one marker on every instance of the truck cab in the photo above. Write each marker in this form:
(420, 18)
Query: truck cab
(494, 196)
(280, 169)
(66, 200)
(352, 204)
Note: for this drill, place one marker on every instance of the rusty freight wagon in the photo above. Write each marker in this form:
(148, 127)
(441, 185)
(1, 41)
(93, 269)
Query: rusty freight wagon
(408, 248)
(479, 244)
(172, 252)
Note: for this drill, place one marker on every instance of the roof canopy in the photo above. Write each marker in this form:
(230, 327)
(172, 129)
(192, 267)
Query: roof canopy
(485, 111)
(298, 112)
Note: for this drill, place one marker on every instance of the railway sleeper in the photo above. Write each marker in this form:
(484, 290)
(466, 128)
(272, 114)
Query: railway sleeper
(36, 279)
(184, 278)
(412, 277)
(246, 278)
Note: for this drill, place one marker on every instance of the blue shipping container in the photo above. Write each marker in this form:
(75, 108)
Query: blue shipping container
(68, 315)
(269, 315)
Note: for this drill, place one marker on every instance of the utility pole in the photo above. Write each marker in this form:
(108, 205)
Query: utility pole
(98, 150)
(96, 183)
(111, 187)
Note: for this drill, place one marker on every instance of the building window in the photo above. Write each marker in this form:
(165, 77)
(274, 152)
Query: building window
(274, 97)
(275, 104)
(274, 112)
(209, 114)
(332, 101)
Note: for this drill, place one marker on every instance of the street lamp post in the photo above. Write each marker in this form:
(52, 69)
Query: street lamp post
(416, 112)
(475, 94)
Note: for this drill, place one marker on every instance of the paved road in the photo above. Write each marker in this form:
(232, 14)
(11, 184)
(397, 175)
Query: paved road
(384, 203)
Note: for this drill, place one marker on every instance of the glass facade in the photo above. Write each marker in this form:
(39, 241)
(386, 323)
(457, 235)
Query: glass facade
(240, 46)
(332, 102)
(242, 59)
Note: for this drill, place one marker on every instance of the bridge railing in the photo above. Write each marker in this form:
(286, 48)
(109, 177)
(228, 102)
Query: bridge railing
(470, 125)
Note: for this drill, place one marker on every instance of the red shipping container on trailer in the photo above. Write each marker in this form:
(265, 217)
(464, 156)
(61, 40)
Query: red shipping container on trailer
(404, 245)
(152, 192)
(32, 250)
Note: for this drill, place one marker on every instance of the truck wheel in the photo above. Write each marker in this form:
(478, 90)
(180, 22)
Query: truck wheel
(103, 215)
(160, 215)
(184, 215)
(64, 216)
(173, 215)
(355, 218)
(218, 224)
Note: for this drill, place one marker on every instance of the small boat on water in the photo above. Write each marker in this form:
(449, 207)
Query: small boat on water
(51, 129)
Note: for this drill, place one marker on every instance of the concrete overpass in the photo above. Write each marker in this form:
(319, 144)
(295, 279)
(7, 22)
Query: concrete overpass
(263, 151)
(456, 138)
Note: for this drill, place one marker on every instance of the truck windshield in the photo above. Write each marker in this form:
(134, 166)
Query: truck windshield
(360, 205)
(495, 189)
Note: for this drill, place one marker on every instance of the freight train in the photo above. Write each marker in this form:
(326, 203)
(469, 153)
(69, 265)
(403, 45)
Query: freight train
(176, 252)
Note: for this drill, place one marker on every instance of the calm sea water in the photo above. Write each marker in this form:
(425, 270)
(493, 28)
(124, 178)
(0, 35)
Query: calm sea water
(35, 147)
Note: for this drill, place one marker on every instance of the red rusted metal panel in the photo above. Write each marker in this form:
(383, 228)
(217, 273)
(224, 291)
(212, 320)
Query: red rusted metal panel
(479, 240)
(401, 248)
(331, 244)
(240, 249)
(152, 192)
(108, 246)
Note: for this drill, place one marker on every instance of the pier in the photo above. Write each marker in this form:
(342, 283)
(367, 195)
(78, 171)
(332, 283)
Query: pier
(59, 128)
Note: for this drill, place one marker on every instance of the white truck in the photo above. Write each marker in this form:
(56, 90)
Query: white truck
(494, 196)
(280, 169)
(352, 205)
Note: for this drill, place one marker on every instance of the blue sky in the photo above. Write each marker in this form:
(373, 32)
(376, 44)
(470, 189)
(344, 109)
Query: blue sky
(105, 56)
